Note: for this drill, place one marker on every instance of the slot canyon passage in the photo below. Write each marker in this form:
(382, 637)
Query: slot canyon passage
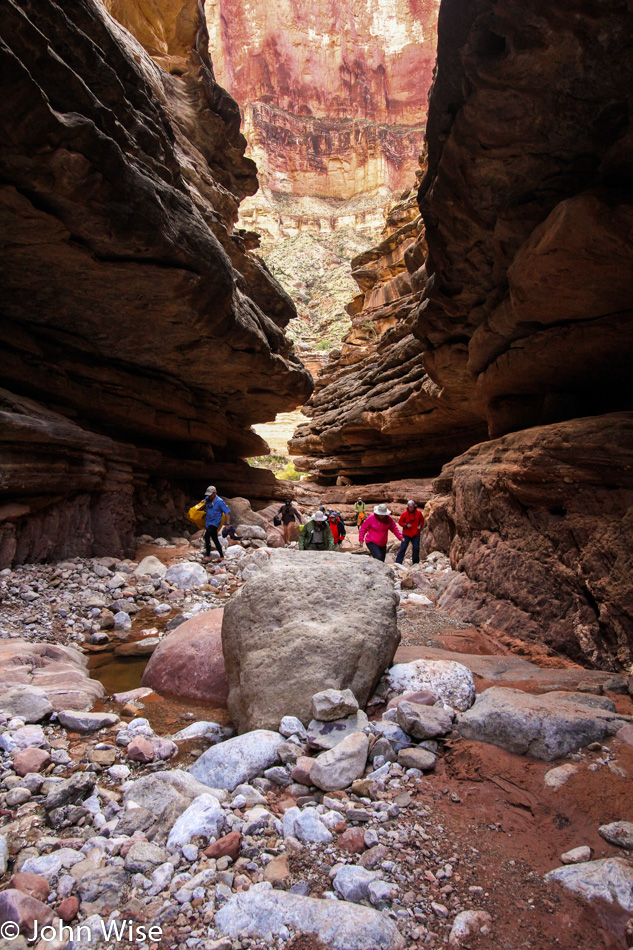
(316, 253)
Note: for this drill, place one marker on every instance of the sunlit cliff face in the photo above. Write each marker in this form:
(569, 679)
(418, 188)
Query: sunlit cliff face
(333, 92)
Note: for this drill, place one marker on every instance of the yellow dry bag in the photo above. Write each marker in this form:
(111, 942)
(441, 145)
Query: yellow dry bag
(198, 514)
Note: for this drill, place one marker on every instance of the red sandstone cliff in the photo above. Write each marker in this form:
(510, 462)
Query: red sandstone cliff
(334, 95)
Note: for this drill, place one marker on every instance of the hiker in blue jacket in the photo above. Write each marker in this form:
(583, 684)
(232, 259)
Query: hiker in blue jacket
(215, 508)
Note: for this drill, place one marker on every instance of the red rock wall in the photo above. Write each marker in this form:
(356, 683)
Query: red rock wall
(334, 91)
(138, 338)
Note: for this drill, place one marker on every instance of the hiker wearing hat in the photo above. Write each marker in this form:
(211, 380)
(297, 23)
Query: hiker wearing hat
(360, 511)
(375, 529)
(287, 515)
(411, 522)
(215, 509)
(316, 534)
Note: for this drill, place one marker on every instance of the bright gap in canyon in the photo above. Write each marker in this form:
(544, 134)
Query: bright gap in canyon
(316, 492)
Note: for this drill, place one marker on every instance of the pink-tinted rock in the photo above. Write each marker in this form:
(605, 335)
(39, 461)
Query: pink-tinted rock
(68, 909)
(625, 734)
(140, 749)
(423, 697)
(228, 846)
(189, 661)
(163, 748)
(301, 771)
(32, 884)
(352, 841)
(23, 910)
(30, 760)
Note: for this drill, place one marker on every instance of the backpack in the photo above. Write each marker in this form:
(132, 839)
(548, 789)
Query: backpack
(198, 514)
(276, 521)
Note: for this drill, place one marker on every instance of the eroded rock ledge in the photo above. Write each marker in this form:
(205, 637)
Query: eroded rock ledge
(539, 523)
(138, 338)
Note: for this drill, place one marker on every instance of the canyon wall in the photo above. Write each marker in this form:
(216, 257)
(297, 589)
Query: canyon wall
(528, 210)
(139, 341)
(521, 328)
(334, 95)
(375, 414)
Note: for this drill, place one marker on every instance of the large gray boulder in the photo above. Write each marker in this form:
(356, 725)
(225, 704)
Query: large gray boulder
(306, 621)
(265, 914)
(540, 726)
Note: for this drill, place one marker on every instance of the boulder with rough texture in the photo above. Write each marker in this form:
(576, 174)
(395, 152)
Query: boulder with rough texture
(469, 923)
(305, 825)
(535, 725)
(352, 882)
(607, 879)
(338, 767)
(237, 760)
(266, 914)
(448, 680)
(286, 637)
(189, 661)
(155, 792)
(58, 672)
(332, 704)
(29, 703)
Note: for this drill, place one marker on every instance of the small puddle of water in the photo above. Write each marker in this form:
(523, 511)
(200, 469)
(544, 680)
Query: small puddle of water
(166, 713)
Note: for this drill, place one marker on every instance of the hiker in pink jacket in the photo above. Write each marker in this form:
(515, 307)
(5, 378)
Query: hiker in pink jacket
(375, 529)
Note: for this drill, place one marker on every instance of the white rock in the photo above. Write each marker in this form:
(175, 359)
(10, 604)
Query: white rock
(49, 865)
(451, 681)
(203, 729)
(338, 767)
(267, 914)
(4, 855)
(608, 879)
(576, 855)
(186, 575)
(306, 826)
(237, 760)
(151, 565)
(352, 882)
(203, 817)
(290, 726)
(556, 778)
(468, 924)
(122, 621)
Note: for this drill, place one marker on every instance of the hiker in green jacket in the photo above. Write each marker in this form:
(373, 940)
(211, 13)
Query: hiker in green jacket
(316, 534)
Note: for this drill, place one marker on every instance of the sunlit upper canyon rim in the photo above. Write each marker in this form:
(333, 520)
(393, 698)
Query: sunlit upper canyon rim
(394, 238)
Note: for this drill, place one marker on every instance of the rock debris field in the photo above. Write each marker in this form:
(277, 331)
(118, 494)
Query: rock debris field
(420, 795)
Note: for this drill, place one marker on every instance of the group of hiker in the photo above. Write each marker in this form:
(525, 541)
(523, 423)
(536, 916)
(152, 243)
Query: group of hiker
(324, 531)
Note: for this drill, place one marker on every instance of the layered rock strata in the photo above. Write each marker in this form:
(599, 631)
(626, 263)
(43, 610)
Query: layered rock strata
(139, 339)
(527, 209)
(334, 100)
(539, 523)
(375, 414)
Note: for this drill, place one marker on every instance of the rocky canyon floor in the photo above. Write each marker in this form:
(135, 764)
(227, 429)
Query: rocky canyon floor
(440, 839)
